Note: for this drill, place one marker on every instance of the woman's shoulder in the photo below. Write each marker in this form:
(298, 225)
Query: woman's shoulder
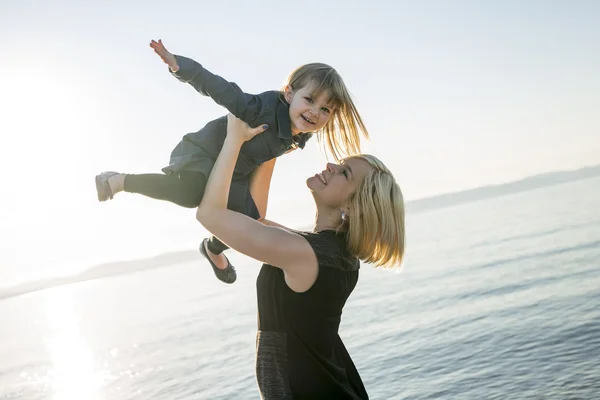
(331, 250)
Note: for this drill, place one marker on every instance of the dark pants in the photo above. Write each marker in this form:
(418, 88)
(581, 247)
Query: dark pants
(185, 190)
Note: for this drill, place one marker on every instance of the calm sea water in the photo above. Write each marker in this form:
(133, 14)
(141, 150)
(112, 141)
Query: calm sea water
(498, 299)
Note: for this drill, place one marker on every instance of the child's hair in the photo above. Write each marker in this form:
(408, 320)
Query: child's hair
(343, 130)
(375, 224)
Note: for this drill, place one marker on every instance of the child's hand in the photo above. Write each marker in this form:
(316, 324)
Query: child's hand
(238, 129)
(169, 59)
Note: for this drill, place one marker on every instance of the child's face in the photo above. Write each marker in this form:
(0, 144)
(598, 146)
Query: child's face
(308, 113)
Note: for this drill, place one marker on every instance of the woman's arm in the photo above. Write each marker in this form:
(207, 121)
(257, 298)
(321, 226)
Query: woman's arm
(272, 245)
(272, 223)
(260, 184)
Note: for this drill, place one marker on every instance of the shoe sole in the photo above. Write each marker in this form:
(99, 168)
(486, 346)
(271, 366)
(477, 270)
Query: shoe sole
(102, 188)
(216, 270)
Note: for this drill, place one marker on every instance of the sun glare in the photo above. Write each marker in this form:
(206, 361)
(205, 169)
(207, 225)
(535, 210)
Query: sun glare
(42, 143)
(73, 376)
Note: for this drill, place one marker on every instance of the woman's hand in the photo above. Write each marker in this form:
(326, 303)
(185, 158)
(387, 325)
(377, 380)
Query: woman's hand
(169, 59)
(241, 131)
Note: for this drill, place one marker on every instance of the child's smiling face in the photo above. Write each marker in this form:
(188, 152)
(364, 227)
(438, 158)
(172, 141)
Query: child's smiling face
(308, 112)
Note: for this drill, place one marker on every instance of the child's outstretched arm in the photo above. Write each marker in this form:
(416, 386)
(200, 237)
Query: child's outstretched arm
(245, 106)
(168, 58)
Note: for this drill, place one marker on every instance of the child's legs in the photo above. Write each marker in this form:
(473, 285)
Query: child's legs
(246, 207)
(215, 246)
(185, 190)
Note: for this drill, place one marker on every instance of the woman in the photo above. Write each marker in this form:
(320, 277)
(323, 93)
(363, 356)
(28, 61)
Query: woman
(308, 276)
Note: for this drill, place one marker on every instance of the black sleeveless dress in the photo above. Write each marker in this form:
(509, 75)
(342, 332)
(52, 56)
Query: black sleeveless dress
(299, 354)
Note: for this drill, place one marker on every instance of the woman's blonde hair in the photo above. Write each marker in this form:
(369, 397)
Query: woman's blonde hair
(341, 134)
(375, 224)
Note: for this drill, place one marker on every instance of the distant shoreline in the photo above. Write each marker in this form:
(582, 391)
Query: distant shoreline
(415, 206)
(503, 189)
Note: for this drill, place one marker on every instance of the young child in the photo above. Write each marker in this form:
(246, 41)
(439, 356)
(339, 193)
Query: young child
(313, 99)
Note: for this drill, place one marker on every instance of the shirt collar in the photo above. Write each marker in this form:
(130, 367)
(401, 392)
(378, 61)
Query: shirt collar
(302, 138)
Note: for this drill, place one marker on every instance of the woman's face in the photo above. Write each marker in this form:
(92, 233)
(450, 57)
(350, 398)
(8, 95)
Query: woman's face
(333, 186)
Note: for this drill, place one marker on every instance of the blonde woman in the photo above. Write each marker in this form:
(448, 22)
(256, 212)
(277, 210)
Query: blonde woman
(313, 100)
(308, 276)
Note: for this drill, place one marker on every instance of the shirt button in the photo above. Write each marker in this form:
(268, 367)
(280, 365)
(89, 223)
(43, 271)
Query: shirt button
(283, 146)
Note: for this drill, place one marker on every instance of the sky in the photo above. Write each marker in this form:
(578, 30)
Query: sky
(456, 94)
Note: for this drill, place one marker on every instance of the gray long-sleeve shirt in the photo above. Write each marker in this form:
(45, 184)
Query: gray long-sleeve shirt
(199, 150)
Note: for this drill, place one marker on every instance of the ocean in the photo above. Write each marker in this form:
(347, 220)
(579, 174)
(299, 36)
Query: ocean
(497, 299)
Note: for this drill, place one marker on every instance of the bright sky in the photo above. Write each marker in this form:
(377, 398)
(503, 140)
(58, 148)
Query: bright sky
(455, 96)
